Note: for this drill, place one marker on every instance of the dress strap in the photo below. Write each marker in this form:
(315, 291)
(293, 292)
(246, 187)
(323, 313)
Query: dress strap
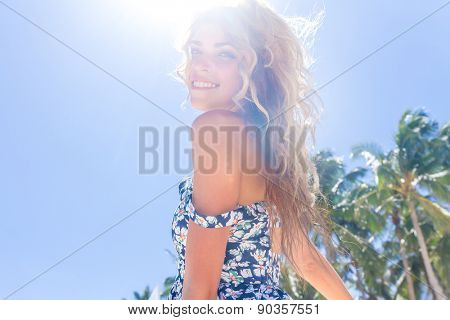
(211, 221)
(220, 220)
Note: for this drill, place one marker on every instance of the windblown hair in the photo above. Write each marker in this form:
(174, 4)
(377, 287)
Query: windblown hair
(275, 95)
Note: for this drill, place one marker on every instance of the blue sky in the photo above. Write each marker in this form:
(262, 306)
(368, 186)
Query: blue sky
(69, 132)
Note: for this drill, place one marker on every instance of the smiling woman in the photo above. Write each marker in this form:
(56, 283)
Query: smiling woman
(213, 89)
(246, 205)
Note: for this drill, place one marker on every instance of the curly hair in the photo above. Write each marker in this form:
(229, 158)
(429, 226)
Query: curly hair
(276, 93)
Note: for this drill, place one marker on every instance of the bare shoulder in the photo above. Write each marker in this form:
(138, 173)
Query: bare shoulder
(218, 117)
(217, 161)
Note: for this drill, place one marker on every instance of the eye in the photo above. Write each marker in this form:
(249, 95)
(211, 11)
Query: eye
(193, 51)
(228, 54)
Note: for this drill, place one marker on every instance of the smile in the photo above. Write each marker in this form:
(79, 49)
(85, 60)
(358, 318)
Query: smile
(204, 85)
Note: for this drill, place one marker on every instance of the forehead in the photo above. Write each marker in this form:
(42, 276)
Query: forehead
(209, 34)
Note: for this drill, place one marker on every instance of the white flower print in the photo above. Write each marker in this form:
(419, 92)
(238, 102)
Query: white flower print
(259, 255)
(235, 252)
(246, 273)
(239, 234)
(211, 219)
(243, 264)
(259, 270)
(245, 245)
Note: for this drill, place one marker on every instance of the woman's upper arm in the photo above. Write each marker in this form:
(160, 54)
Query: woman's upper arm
(216, 149)
(215, 192)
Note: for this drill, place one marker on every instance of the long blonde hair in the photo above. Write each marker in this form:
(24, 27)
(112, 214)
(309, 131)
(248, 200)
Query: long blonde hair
(275, 94)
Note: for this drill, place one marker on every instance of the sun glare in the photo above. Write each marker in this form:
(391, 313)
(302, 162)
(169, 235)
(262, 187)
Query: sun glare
(167, 14)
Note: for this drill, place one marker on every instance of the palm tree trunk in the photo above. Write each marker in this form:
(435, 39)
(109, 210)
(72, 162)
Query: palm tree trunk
(398, 233)
(436, 288)
(409, 280)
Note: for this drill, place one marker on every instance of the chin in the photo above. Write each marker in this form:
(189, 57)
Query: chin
(201, 106)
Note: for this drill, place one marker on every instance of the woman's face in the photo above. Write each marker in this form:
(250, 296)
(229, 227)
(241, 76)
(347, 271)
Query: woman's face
(213, 74)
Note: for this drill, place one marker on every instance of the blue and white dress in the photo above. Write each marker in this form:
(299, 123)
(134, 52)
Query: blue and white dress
(250, 270)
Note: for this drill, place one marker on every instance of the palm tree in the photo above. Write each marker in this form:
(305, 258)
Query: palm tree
(417, 165)
(168, 282)
(355, 228)
(383, 205)
(144, 296)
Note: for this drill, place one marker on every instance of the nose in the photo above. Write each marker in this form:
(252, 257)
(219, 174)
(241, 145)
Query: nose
(202, 63)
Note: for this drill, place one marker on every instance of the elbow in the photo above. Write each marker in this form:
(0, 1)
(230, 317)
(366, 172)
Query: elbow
(308, 267)
(309, 260)
(310, 264)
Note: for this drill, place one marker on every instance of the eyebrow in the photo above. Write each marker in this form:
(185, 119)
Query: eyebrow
(218, 44)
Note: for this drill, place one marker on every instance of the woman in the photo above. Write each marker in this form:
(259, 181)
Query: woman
(251, 198)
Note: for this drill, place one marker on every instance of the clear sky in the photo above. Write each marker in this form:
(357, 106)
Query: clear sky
(69, 131)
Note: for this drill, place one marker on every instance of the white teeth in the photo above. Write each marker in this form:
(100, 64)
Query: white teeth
(201, 84)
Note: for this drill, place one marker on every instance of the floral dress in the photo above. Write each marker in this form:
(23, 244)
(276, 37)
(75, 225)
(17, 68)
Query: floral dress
(251, 270)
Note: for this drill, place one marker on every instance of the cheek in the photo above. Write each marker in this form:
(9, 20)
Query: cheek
(187, 72)
(232, 78)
